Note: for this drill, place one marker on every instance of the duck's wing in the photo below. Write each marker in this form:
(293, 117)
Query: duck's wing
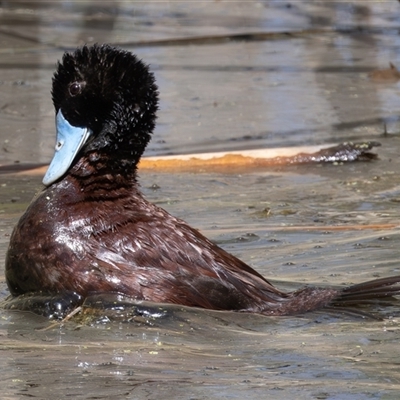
(165, 260)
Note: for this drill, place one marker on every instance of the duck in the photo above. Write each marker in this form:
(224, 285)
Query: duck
(91, 231)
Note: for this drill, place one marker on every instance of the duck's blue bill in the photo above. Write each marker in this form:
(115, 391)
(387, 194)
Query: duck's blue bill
(70, 140)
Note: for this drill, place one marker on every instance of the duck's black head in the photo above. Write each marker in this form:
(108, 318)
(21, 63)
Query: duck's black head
(106, 101)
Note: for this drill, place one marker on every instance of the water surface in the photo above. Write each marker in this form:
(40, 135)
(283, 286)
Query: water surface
(220, 91)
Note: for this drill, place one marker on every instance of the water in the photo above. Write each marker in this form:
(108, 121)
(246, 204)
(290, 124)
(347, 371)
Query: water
(220, 93)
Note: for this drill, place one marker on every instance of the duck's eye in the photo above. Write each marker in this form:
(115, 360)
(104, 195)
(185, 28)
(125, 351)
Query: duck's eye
(75, 88)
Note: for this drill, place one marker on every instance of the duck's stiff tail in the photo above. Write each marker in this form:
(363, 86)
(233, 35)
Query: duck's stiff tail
(370, 292)
(340, 300)
(378, 292)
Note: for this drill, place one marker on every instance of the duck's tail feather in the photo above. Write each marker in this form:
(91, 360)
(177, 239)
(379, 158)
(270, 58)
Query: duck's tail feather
(347, 300)
(369, 292)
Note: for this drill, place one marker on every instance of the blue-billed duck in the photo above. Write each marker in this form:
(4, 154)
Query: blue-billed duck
(90, 230)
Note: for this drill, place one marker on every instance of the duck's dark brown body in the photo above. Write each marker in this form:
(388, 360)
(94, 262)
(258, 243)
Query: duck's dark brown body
(110, 239)
(91, 231)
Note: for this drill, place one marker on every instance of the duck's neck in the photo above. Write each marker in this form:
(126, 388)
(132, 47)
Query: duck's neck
(104, 177)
